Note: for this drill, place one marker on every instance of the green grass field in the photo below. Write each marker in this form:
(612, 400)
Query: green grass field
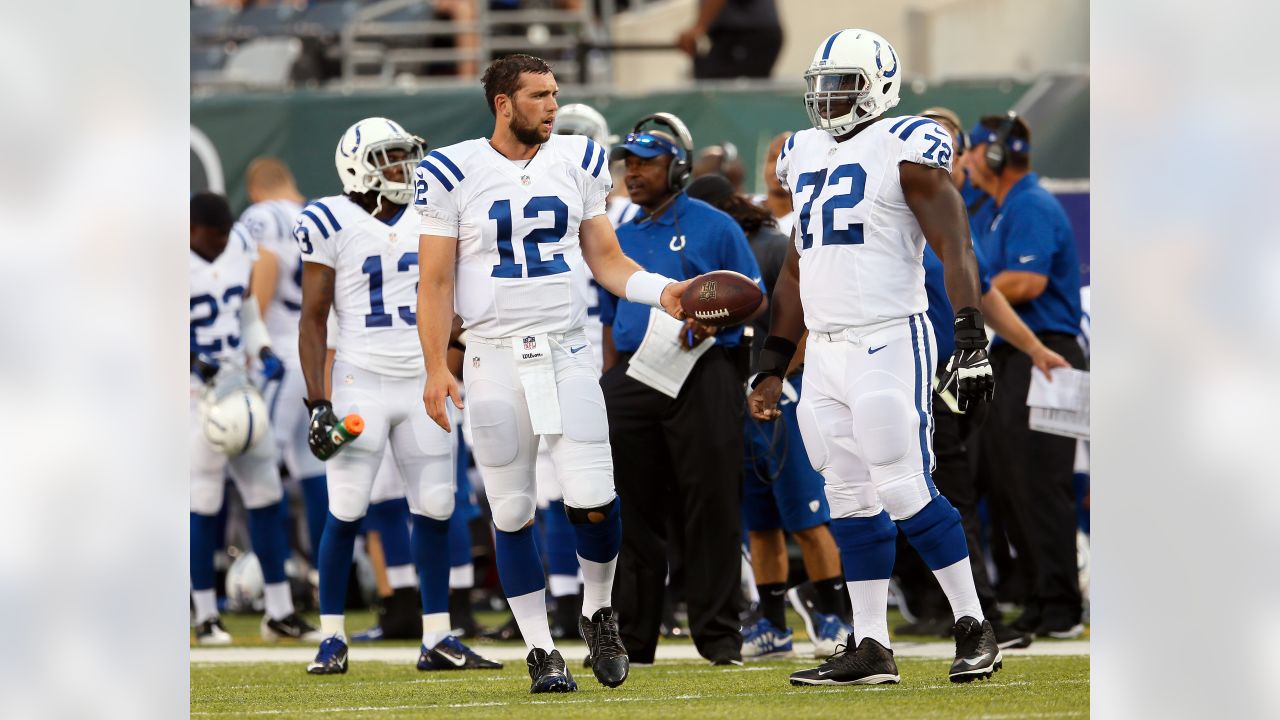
(1029, 686)
(1038, 687)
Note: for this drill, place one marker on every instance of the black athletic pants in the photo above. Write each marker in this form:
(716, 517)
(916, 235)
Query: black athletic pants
(954, 477)
(1029, 474)
(685, 451)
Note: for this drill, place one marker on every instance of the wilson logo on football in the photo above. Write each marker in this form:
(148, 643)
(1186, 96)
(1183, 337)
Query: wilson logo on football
(708, 290)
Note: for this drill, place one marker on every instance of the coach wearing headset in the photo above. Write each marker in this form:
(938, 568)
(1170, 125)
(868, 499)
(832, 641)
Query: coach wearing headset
(682, 452)
(1032, 253)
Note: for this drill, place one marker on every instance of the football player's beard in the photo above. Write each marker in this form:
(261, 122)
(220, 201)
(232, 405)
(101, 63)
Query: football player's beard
(527, 134)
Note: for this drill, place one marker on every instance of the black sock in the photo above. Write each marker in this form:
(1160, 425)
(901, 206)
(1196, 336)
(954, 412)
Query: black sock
(830, 592)
(773, 603)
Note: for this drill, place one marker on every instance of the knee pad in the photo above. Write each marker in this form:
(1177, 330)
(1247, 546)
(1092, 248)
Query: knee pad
(512, 512)
(206, 496)
(585, 471)
(436, 502)
(348, 504)
(591, 515)
(493, 429)
(883, 421)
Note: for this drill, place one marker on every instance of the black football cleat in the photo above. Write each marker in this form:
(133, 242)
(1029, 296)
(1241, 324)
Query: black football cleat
(451, 654)
(212, 632)
(870, 664)
(332, 658)
(291, 627)
(607, 656)
(548, 673)
(977, 653)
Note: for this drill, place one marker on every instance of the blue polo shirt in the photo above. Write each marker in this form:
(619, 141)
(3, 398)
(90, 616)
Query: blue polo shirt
(980, 206)
(712, 241)
(941, 315)
(1031, 233)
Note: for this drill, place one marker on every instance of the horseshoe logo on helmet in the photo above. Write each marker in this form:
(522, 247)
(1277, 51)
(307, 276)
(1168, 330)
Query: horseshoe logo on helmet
(880, 67)
(357, 145)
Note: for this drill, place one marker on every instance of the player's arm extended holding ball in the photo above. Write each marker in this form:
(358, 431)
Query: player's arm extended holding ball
(939, 210)
(623, 276)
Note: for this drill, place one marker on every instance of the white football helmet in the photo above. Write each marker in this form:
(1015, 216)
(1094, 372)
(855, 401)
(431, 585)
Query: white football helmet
(854, 77)
(579, 119)
(362, 158)
(245, 583)
(232, 413)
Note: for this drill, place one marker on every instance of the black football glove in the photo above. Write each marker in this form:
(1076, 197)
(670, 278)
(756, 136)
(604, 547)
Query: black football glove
(204, 367)
(320, 429)
(968, 373)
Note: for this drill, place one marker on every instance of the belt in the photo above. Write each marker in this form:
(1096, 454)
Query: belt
(856, 334)
(508, 341)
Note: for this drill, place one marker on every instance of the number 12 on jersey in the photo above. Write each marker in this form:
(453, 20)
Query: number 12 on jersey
(851, 235)
(507, 267)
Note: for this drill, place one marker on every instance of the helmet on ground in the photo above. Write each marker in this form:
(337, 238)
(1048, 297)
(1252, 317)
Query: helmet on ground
(854, 77)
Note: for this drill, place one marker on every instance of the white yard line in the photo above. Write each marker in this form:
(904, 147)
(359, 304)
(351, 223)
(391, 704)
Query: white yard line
(574, 651)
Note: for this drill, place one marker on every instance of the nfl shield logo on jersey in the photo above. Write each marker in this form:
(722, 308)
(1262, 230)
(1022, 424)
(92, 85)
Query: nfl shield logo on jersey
(529, 342)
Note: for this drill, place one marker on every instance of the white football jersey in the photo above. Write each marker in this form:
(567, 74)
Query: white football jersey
(217, 292)
(375, 290)
(270, 225)
(860, 245)
(519, 268)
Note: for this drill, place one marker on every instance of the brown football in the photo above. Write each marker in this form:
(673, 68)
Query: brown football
(721, 298)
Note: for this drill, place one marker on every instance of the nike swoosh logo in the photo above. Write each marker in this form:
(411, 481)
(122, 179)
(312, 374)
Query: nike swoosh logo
(574, 350)
(1022, 259)
(457, 661)
(823, 672)
(873, 351)
(976, 660)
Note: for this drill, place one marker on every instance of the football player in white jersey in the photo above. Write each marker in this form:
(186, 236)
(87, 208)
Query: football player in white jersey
(507, 224)
(359, 258)
(277, 284)
(229, 423)
(871, 191)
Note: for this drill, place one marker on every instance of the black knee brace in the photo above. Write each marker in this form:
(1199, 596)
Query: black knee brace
(588, 516)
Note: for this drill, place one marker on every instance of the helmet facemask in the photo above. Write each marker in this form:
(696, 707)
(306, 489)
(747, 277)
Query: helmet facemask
(838, 99)
(377, 160)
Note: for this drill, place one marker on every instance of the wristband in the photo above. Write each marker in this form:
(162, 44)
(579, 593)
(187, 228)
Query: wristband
(971, 331)
(775, 356)
(646, 288)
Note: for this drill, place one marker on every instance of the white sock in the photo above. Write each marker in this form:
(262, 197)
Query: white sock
(334, 625)
(206, 602)
(530, 611)
(462, 576)
(435, 627)
(402, 576)
(279, 600)
(870, 599)
(561, 585)
(956, 580)
(597, 585)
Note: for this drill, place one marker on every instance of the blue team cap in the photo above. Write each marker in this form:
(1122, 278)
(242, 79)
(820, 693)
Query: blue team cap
(981, 134)
(646, 145)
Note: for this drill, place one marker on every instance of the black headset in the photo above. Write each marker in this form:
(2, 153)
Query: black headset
(678, 171)
(997, 154)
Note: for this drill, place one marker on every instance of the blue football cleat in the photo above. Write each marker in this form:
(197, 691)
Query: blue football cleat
(451, 654)
(764, 640)
(829, 631)
(332, 658)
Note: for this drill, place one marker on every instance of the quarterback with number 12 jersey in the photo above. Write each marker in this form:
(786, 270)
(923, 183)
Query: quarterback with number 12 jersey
(860, 245)
(520, 269)
(374, 292)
